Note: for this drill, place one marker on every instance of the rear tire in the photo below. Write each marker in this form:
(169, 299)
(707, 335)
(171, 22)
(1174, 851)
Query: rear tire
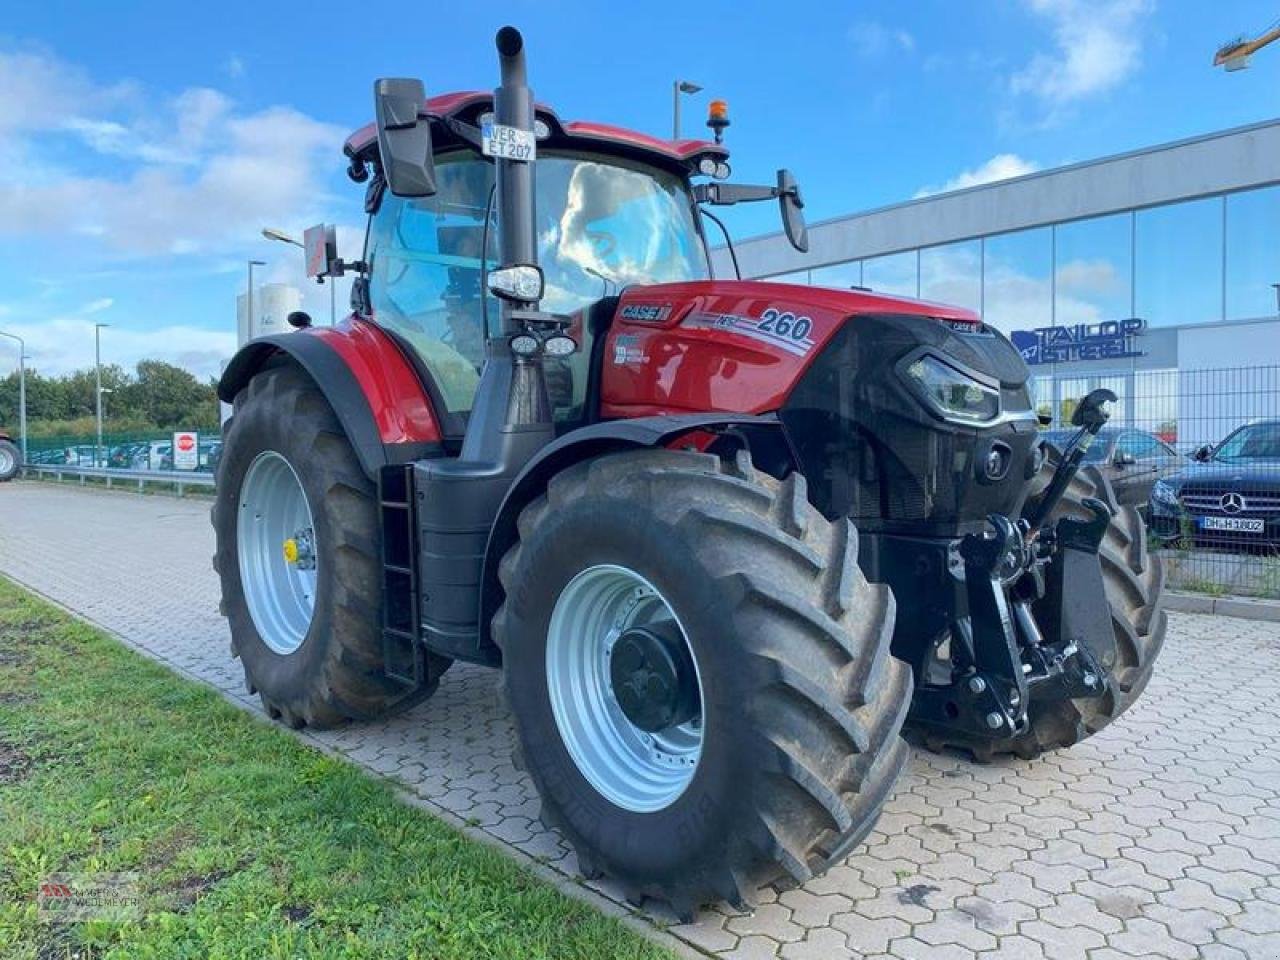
(801, 702)
(10, 460)
(1134, 581)
(332, 670)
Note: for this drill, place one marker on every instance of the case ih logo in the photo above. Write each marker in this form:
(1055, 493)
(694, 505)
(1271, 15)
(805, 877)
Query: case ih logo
(646, 312)
(1109, 340)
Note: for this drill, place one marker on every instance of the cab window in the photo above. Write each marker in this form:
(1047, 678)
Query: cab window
(602, 224)
(424, 274)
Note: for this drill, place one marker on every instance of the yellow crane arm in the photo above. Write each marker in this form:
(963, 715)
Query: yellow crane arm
(1240, 49)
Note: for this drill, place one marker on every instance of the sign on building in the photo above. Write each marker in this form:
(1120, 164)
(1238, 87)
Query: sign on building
(186, 450)
(1109, 340)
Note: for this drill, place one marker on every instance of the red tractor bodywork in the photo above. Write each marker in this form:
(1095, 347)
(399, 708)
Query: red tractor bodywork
(728, 346)
(711, 346)
(400, 405)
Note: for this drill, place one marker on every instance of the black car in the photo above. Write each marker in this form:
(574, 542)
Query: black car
(1230, 495)
(1133, 460)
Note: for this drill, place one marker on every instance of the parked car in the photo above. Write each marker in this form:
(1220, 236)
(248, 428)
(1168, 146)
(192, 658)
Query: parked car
(1229, 496)
(1133, 460)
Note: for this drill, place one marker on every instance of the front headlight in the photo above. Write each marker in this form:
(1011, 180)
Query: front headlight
(1162, 492)
(952, 393)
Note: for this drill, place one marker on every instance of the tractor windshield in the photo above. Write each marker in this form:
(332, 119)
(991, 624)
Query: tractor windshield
(602, 224)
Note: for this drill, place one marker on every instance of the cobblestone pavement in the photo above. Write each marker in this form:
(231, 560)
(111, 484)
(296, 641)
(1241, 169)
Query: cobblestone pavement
(1159, 838)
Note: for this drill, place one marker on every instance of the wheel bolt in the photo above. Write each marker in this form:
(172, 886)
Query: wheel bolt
(995, 721)
(977, 684)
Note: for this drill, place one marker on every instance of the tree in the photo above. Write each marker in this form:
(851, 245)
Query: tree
(169, 396)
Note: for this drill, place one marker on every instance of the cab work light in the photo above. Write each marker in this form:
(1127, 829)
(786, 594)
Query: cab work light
(522, 283)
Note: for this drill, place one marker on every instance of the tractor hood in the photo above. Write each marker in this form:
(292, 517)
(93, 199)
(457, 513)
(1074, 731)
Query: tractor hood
(738, 345)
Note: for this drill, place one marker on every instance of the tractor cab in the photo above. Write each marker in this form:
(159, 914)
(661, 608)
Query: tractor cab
(603, 223)
(612, 209)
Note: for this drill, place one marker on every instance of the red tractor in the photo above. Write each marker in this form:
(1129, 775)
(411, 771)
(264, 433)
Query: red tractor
(10, 458)
(675, 511)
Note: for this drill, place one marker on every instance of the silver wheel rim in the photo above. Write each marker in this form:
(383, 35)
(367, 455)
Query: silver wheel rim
(638, 771)
(6, 461)
(279, 590)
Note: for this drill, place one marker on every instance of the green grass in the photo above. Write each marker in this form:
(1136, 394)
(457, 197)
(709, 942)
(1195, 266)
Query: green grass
(247, 843)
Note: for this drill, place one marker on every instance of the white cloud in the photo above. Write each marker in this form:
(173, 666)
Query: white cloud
(97, 306)
(873, 40)
(233, 67)
(1098, 45)
(1003, 166)
(201, 177)
(63, 344)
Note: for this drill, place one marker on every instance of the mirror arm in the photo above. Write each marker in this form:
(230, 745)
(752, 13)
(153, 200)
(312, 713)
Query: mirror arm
(466, 132)
(727, 194)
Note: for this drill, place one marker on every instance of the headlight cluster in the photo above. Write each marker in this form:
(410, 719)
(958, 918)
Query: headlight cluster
(1164, 494)
(955, 395)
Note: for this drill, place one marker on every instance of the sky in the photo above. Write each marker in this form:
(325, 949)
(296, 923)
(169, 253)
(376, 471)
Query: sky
(144, 145)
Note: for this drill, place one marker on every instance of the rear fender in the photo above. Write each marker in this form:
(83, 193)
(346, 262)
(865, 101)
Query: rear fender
(690, 431)
(379, 399)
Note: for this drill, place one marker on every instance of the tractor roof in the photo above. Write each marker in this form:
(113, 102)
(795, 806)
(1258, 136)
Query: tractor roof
(363, 144)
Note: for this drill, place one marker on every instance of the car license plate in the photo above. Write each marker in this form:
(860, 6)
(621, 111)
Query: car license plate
(1231, 524)
(509, 143)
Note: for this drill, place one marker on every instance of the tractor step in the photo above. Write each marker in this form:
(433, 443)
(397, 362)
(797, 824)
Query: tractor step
(402, 654)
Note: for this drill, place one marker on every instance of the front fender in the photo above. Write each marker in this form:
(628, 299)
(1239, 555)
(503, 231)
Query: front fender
(586, 443)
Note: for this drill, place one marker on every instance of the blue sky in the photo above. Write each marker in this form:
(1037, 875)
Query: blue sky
(144, 146)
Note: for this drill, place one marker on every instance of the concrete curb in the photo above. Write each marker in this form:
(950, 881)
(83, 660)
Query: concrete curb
(1245, 608)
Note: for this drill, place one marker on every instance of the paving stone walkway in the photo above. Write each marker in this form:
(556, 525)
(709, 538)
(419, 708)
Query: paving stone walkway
(1159, 838)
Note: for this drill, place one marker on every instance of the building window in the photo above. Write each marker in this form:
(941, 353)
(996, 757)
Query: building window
(1018, 280)
(895, 274)
(953, 274)
(839, 275)
(1093, 270)
(1178, 263)
(800, 276)
(1253, 253)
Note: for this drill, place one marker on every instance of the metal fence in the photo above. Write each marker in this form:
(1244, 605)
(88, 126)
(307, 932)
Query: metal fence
(1198, 452)
(141, 453)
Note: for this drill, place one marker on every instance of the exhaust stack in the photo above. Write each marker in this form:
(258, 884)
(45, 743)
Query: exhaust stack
(513, 107)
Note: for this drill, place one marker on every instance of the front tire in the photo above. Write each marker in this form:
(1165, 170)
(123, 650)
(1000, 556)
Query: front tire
(307, 630)
(795, 744)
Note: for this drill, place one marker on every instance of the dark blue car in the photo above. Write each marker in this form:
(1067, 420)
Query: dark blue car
(1230, 495)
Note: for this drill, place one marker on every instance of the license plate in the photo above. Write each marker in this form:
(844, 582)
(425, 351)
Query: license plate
(509, 143)
(1232, 524)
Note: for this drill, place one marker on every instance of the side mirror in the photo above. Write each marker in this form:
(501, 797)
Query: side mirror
(792, 204)
(1203, 454)
(404, 137)
(1123, 458)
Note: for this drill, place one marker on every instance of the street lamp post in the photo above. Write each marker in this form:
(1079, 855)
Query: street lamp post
(248, 303)
(22, 391)
(678, 87)
(283, 237)
(97, 379)
(1277, 289)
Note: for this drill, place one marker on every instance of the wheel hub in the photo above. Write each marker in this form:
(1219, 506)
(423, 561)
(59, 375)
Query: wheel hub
(652, 677)
(624, 687)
